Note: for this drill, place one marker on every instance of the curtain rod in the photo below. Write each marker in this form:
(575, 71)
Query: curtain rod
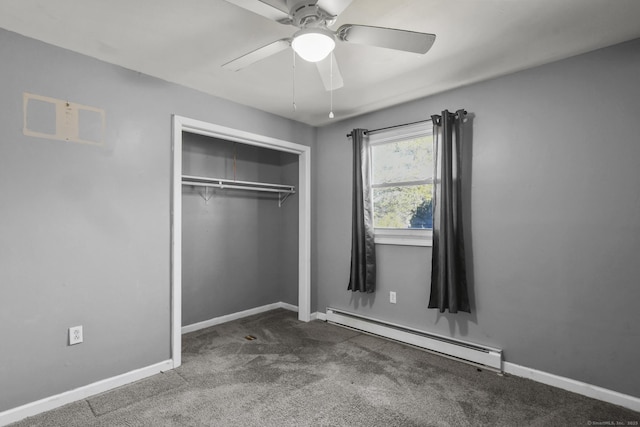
(391, 127)
(397, 126)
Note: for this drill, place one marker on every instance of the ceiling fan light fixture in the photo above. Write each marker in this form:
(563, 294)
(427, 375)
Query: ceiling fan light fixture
(313, 44)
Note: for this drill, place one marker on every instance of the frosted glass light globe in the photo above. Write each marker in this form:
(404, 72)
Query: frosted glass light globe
(313, 44)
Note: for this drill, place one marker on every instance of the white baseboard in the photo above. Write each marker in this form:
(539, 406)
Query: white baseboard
(574, 386)
(30, 409)
(239, 315)
(288, 306)
(321, 316)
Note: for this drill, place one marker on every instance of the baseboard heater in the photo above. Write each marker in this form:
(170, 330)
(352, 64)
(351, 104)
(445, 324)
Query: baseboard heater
(451, 347)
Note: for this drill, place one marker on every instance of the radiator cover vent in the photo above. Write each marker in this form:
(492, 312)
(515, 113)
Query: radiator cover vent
(462, 350)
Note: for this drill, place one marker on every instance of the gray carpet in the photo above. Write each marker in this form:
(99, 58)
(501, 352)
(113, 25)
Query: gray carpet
(317, 374)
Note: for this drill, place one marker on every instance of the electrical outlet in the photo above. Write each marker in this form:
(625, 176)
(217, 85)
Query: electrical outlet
(75, 335)
(392, 297)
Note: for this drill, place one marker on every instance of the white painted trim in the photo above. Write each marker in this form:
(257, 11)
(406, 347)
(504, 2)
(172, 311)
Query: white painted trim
(183, 124)
(235, 316)
(30, 409)
(237, 135)
(304, 236)
(176, 242)
(403, 241)
(404, 236)
(320, 316)
(466, 351)
(574, 386)
(288, 306)
(401, 133)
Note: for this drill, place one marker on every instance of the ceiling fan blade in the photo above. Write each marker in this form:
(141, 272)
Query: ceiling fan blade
(257, 55)
(262, 8)
(326, 68)
(281, 5)
(334, 7)
(391, 38)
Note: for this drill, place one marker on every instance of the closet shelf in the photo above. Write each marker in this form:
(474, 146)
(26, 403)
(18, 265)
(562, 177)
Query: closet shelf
(284, 191)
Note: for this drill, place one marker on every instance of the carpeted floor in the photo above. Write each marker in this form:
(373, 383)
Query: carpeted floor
(317, 374)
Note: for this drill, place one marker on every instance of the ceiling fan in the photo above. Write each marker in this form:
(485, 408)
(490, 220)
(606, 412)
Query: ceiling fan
(314, 41)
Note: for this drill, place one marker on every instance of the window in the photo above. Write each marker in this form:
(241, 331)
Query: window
(402, 183)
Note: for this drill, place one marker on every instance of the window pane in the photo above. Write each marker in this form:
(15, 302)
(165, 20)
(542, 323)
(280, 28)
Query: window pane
(402, 161)
(403, 207)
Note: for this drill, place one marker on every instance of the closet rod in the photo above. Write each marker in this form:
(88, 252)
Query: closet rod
(238, 185)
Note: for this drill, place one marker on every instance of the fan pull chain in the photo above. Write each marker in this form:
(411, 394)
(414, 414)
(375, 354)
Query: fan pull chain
(331, 83)
(295, 107)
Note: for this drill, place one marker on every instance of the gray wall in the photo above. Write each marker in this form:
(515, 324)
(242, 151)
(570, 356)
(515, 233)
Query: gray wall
(554, 229)
(238, 246)
(85, 230)
(84, 236)
(288, 238)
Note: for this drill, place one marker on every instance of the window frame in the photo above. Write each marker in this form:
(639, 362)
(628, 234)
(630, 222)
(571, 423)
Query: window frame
(401, 236)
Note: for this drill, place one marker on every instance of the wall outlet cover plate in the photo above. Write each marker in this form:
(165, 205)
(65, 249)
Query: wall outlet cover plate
(75, 335)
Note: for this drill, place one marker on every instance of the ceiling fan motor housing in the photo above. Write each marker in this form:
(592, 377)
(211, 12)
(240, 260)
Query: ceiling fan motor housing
(308, 15)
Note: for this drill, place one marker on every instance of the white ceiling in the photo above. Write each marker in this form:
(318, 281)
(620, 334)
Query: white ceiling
(187, 41)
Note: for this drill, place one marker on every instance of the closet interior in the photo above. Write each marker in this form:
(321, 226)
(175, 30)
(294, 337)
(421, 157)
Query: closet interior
(239, 227)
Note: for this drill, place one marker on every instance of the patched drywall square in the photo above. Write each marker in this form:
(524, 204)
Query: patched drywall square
(53, 118)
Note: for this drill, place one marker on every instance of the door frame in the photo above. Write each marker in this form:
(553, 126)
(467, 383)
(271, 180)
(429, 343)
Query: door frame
(184, 124)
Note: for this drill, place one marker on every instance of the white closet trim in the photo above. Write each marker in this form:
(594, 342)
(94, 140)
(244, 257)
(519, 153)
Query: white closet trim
(183, 124)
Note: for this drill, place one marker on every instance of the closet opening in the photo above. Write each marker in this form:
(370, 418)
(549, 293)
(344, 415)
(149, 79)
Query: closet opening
(240, 226)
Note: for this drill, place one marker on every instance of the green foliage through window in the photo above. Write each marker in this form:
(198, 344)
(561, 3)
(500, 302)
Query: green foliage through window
(402, 207)
(402, 183)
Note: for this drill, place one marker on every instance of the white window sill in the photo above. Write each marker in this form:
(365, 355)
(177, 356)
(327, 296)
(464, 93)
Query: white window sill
(403, 237)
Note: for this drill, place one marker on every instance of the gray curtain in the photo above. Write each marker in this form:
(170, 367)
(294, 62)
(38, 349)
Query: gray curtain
(448, 271)
(363, 248)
